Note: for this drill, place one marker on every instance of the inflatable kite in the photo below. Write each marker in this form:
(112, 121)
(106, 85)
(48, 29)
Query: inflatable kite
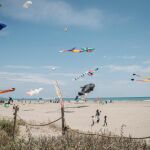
(2, 26)
(27, 4)
(140, 78)
(34, 91)
(89, 73)
(74, 50)
(5, 91)
(85, 90)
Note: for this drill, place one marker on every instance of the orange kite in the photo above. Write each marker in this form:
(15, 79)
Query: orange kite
(9, 90)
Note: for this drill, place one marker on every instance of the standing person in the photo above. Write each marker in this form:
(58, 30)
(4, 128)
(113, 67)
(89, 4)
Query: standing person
(105, 120)
(97, 115)
(92, 121)
(10, 100)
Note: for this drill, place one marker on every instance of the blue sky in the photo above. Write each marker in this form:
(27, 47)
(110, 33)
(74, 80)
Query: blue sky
(30, 44)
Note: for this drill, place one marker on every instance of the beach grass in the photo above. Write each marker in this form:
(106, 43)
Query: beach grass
(71, 141)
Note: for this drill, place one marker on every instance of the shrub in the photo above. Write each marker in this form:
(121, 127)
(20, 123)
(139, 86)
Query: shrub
(74, 141)
(7, 126)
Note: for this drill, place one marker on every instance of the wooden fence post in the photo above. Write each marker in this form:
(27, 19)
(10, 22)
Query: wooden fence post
(16, 108)
(59, 94)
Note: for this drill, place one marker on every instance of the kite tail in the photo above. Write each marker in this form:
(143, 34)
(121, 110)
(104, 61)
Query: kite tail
(76, 97)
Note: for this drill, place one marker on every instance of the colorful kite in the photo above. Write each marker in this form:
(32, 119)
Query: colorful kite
(74, 50)
(2, 26)
(89, 73)
(87, 49)
(27, 4)
(85, 90)
(34, 91)
(5, 91)
(140, 78)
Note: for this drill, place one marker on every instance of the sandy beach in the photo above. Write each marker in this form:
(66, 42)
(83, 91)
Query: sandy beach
(132, 116)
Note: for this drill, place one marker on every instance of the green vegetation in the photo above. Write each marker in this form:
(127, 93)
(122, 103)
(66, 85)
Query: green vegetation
(7, 126)
(71, 141)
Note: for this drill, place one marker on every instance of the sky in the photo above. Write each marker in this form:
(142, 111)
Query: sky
(30, 44)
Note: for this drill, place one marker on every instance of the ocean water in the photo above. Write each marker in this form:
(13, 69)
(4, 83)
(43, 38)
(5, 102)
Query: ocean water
(115, 99)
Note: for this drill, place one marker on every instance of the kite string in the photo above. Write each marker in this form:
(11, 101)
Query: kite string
(102, 135)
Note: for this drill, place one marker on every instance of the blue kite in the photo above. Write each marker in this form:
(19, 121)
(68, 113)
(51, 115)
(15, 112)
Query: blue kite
(2, 26)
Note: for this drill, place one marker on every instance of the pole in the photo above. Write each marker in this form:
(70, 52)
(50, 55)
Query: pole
(59, 94)
(63, 121)
(16, 108)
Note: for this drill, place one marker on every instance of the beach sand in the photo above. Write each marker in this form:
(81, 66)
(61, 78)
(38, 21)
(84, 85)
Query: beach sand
(132, 116)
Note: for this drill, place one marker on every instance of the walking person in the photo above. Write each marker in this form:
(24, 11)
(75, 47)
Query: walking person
(97, 115)
(105, 120)
(92, 121)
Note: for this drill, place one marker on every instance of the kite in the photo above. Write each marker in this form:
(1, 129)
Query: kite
(140, 78)
(89, 73)
(74, 50)
(53, 68)
(2, 26)
(5, 91)
(65, 29)
(27, 4)
(34, 91)
(85, 90)
(87, 49)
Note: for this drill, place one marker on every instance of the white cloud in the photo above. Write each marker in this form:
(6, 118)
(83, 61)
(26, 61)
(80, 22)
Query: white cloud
(17, 67)
(147, 62)
(129, 68)
(120, 57)
(126, 57)
(54, 11)
(35, 77)
(50, 67)
(25, 77)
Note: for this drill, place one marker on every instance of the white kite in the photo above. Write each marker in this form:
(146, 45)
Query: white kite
(66, 29)
(27, 4)
(34, 91)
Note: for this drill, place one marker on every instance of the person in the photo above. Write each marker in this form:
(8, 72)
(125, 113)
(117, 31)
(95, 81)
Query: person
(97, 115)
(105, 120)
(10, 100)
(92, 121)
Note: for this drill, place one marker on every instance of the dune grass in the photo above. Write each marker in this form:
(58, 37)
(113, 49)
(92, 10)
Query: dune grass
(70, 141)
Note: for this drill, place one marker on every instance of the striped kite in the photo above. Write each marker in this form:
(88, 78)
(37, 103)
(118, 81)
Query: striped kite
(140, 78)
(74, 50)
(89, 73)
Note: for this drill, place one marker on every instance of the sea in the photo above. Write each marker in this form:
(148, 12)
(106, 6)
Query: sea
(114, 99)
